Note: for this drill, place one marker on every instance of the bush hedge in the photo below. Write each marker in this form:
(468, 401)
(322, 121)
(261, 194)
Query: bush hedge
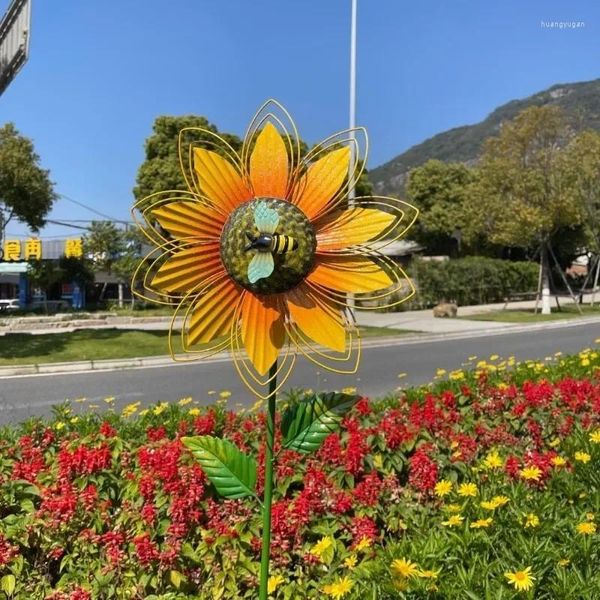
(471, 280)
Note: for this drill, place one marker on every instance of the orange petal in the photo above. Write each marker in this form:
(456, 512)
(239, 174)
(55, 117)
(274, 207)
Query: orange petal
(321, 182)
(269, 164)
(353, 274)
(263, 331)
(212, 315)
(219, 180)
(352, 226)
(188, 268)
(190, 219)
(318, 317)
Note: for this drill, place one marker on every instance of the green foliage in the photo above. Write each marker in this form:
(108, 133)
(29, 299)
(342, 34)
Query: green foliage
(232, 472)
(520, 196)
(43, 274)
(103, 244)
(161, 169)
(582, 164)
(308, 421)
(471, 280)
(76, 270)
(439, 191)
(26, 192)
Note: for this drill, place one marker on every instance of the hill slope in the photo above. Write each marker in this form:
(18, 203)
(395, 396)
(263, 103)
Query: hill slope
(580, 101)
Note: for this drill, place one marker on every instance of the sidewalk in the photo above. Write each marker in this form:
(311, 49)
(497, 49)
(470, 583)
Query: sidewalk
(414, 320)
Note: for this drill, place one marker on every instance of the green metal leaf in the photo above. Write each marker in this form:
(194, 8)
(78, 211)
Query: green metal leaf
(306, 423)
(231, 471)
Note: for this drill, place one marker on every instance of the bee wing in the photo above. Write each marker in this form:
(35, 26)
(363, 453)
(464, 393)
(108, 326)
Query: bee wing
(266, 219)
(260, 266)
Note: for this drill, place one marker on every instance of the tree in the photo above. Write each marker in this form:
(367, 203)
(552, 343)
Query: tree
(26, 192)
(127, 264)
(103, 244)
(521, 195)
(439, 190)
(43, 275)
(161, 170)
(75, 270)
(582, 157)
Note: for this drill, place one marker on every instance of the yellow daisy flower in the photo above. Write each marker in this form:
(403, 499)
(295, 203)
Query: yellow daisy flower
(363, 544)
(428, 574)
(595, 436)
(583, 457)
(453, 521)
(481, 523)
(403, 567)
(350, 561)
(521, 580)
(339, 589)
(500, 500)
(531, 520)
(467, 490)
(493, 460)
(558, 461)
(443, 488)
(274, 582)
(531, 473)
(586, 528)
(321, 546)
(262, 249)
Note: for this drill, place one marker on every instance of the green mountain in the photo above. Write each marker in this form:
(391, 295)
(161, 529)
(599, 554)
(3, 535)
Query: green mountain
(580, 101)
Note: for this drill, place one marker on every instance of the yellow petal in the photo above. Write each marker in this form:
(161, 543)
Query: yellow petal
(188, 268)
(219, 180)
(263, 331)
(212, 315)
(321, 182)
(354, 274)
(317, 317)
(269, 164)
(190, 219)
(352, 226)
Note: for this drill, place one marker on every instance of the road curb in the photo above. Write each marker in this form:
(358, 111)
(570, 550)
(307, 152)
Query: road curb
(165, 361)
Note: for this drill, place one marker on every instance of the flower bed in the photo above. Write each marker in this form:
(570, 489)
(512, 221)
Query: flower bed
(483, 485)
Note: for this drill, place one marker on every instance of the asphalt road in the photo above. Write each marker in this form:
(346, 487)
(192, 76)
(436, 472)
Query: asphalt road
(21, 397)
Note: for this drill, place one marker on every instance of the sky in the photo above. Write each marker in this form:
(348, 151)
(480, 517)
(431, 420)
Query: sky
(100, 72)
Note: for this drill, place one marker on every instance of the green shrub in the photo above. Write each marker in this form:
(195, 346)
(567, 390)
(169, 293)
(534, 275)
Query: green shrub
(472, 280)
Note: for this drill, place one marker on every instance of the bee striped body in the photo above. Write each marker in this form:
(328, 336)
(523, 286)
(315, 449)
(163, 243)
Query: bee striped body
(282, 244)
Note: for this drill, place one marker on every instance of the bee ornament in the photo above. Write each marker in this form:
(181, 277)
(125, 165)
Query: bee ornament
(267, 243)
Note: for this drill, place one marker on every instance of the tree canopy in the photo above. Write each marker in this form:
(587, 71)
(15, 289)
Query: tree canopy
(161, 170)
(521, 196)
(439, 191)
(103, 244)
(26, 192)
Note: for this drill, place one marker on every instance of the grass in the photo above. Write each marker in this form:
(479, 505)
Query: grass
(99, 344)
(528, 316)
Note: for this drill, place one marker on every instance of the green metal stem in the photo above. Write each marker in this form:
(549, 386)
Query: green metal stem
(268, 492)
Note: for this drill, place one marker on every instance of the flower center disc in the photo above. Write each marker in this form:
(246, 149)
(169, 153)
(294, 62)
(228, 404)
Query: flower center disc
(290, 267)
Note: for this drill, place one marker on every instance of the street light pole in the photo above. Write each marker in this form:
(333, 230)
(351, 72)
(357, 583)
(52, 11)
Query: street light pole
(352, 124)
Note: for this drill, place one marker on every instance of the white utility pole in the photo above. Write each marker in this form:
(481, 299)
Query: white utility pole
(352, 123)
(351, 193)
